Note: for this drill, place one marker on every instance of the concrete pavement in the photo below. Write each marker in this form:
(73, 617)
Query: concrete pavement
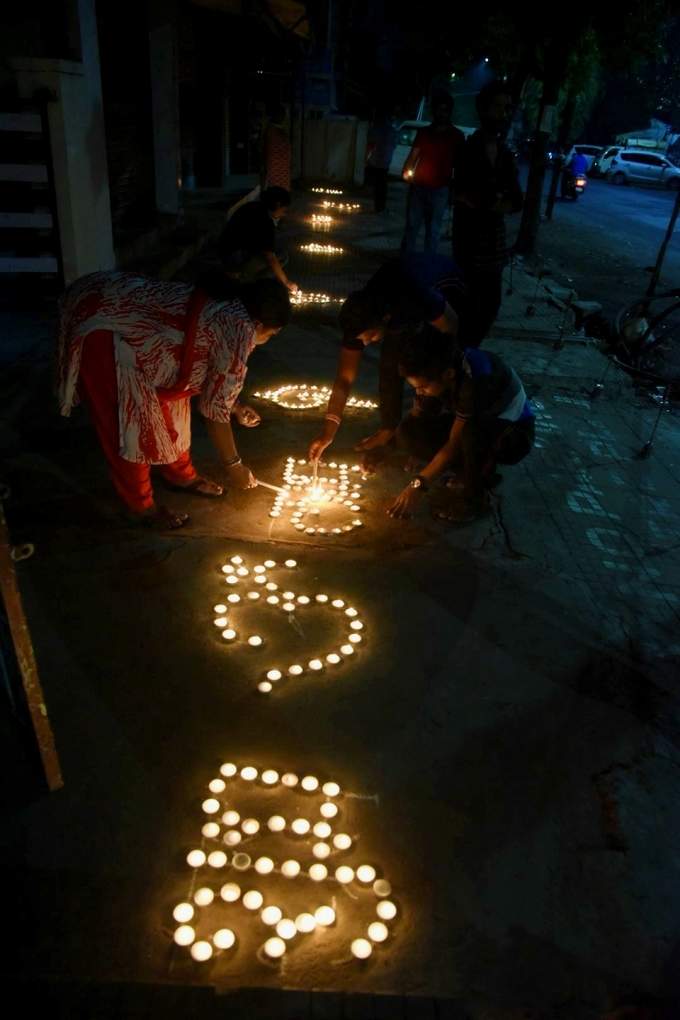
(506, 736)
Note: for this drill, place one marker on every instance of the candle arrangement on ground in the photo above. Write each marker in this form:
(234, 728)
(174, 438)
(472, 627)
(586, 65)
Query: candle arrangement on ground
(328, 191)
(303, 397)
(321, 249)
(316, 504)
(341, 206)
(254, 589)
(301, 299)
(282, 881)
(320, 222)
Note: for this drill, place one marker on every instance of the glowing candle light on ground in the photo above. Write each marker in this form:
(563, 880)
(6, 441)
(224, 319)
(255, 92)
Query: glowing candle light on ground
(275, 948)
(310, 783)
(264, 865)
(228, 769)
(342, 841)
(344, 874)
(211, 830)
(300, 826)
(347, 649)
(321, 851)
(211, 806)
(361, 948)
(331, 789)
(196, 859)
(271, 915)
(217, 859)
(377, 931)
(232, 837)
(224, 938)
(229, 634)
(183, 912)
(305, 923)
(201, 951)
(250, 826)
(274, 675)
(231, 817)
(249, 773)
(220, 609)
(255, 641)
(295, 669)
(286, 929)
(184, 935)
(290, 869)
(289, 779)
(318, 872)
(366, 873)
(252, 900)
(230, 892)
(203, 897)
(322, 830)
(329, 810)
(333, 659)
(217, 786)
(325, 916)
(270, 777)
(381, 887)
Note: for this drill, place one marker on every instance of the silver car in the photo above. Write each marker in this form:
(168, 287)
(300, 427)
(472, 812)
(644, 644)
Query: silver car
(635, 166)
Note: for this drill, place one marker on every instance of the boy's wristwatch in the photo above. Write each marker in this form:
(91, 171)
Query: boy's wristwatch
(419, 483)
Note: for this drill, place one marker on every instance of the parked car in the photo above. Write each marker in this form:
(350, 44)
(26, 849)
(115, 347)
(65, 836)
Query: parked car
(591, 152)
(407, 132)
(637, 166)
(601, 163)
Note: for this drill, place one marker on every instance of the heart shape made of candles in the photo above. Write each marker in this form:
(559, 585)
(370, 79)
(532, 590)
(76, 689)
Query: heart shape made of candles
(275, 878)
(255, 586)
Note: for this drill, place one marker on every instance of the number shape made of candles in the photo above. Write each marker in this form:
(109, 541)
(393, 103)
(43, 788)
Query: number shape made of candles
(327, 507)
(276, 867)
(254, 588)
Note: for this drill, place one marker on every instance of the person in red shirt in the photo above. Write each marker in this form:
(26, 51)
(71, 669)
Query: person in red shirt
(429, 170)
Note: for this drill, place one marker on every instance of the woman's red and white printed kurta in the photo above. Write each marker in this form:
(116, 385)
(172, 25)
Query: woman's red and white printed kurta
(147, 319)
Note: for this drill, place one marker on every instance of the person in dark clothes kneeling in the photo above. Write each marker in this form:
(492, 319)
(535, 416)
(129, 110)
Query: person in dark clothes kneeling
(470, 414)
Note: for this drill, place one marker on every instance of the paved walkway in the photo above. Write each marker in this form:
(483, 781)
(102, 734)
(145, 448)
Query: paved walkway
(506, 736)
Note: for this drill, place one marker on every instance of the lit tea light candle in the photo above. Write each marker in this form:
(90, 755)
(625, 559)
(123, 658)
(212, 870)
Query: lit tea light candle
(227, 569)
(377, 931)
(260, 578)
(342, 841)
(318, 872)
(230, 892)
(271, 586)
(386, 910)
(217, 859)
(229, 634)
(289, 607)
(271, 915)
(351, 611)
(184, 935)
(288, 595)
(221, 621)
(195, 858)
(231, 817)
(237, 560)
(259, 569)
(224, 938)
(347, 649)
(275, 947)
(305, 923)
(264, 687)
(253, 595)
(264, 865)
(289, 779)
(249, 773)
(328, 810)
(241, 862)
(337, 603)
(274, 675)
(381, 887)
(270, 777)
(273, 600)
(211, 830)
(220, 609)
(295, 669)
(183, 912)
(331, 789)
(356, 625)
(255, 640)
(321, 598)
(310, 783)
(233, 598)
(286, 929)
(344, 874)
(300, 826)
(228, 769)
(201, 951)
(361, 948)
(203, 897)
(321, 851)
(366, 874)
(315, 665)
(250, 826)
(232, 837)
(211, 806)
(290, 869)
(303, 600)
(253, 900)
(333, 659)
(324, 916)
(276, 823)
(217, 786)
(355, 638)
(322, 830)
(242, 571)
(270, 564)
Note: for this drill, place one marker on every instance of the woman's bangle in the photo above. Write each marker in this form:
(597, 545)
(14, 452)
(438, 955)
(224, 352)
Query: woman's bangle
(233, 462)
(335, 418)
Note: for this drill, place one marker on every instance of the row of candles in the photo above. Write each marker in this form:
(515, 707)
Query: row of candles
(301, 397)
(272, 915)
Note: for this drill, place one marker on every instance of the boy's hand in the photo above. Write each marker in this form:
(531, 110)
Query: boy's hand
(405, 504)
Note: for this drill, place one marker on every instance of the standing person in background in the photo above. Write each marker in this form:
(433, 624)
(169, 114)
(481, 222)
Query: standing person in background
(486, 189)
(276, 154)
(382, 140)
(429, 169)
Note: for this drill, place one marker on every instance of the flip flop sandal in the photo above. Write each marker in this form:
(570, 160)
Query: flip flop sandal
(194, 488)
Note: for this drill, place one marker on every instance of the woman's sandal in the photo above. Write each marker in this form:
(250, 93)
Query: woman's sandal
(194, 487)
